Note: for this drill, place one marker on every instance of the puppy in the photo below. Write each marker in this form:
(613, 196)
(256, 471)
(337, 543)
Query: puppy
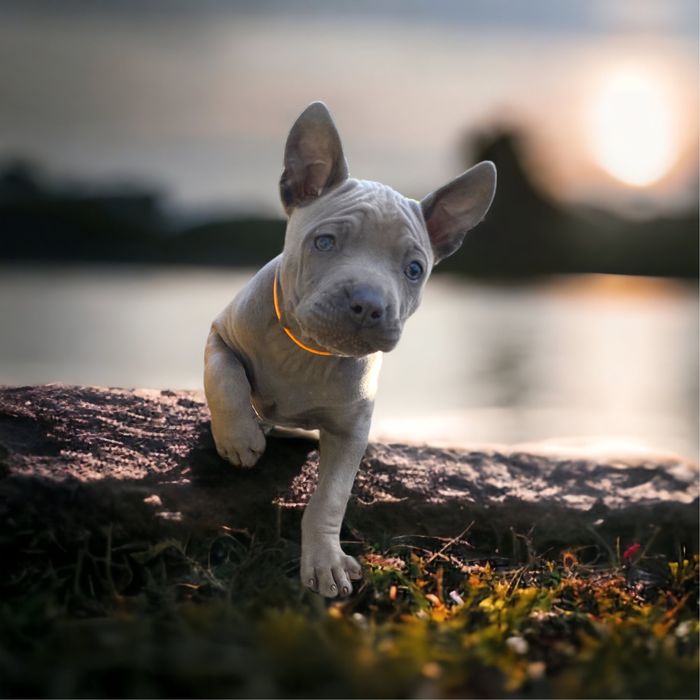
(301, 345)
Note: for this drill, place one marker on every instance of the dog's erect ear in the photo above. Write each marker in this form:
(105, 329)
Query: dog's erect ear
(313, 158)
(458, 207)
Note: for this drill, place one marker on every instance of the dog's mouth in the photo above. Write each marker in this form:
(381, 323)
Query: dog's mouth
(359, 346)
(348, 339)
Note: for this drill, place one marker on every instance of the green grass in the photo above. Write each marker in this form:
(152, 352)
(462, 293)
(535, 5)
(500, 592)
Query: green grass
(83, 614)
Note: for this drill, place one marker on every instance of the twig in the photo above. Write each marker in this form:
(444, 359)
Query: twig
(449, 543)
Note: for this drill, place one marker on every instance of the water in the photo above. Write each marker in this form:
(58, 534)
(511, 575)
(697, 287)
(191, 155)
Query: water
(591, 358)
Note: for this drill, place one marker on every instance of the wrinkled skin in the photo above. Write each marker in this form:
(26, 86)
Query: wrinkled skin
(356, 257)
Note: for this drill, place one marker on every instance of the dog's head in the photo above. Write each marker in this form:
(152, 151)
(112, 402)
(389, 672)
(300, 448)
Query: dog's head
(357, 254)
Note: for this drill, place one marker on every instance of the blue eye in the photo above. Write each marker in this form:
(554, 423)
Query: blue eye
(414, 270)
(324, 243)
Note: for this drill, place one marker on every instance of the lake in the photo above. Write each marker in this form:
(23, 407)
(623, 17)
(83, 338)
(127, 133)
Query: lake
(592, 359)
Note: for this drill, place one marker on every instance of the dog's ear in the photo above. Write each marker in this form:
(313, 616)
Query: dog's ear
(458, 207)
(313, 158)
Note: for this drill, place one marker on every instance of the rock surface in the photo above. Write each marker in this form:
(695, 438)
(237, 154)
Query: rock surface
(145, 460)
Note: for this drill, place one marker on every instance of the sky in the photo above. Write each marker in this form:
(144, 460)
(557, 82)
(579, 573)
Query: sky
(196, 98)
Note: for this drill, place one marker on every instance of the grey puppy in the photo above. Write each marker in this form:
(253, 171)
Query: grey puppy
(301, 345)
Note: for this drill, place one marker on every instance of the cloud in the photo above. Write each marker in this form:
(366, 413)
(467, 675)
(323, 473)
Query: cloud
(551, 16)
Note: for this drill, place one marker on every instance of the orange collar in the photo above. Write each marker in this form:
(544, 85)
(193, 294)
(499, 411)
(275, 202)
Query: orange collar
(291, 335)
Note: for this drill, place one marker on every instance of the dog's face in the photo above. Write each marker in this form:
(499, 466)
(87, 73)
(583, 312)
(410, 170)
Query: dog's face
(357, 254)
(354, 266)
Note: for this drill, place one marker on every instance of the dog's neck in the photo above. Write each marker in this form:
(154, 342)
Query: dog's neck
(290, 335)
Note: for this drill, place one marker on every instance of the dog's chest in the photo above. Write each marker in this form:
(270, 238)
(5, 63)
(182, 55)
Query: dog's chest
(313, 396)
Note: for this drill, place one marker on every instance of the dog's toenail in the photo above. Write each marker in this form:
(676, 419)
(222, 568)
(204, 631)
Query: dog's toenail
(346, 590)
(312, 583)
(334, 587)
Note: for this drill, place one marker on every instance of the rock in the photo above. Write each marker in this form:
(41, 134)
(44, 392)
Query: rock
(143, 462)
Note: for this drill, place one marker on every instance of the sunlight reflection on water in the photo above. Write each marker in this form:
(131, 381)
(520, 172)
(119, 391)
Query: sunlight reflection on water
(591, 356)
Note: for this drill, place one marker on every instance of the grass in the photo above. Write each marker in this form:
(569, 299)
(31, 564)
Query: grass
(85, 612)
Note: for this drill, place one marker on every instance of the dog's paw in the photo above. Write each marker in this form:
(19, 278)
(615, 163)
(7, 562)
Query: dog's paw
(329, 571)
(239, 445)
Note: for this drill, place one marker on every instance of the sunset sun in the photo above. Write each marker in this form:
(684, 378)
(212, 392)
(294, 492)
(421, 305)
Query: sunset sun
(631, 127)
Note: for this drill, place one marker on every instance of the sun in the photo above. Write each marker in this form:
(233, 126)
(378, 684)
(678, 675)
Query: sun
(631, 127)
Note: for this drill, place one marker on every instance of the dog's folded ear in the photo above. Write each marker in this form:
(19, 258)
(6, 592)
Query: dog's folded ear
(458, 207)
(313, 158)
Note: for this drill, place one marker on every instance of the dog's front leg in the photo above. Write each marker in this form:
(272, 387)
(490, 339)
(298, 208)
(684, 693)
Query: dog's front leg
(325, 568)
(237, 435)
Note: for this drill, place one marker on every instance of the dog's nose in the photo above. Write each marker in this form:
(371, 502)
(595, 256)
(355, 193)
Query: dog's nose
(366, 306)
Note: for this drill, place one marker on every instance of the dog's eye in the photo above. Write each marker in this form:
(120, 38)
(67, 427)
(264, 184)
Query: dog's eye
(414, 270)
(324, 242)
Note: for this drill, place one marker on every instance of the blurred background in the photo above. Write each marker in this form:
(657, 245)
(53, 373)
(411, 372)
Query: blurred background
(141, 144)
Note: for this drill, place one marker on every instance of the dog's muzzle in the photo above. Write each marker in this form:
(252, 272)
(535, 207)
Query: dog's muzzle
(354, 322)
